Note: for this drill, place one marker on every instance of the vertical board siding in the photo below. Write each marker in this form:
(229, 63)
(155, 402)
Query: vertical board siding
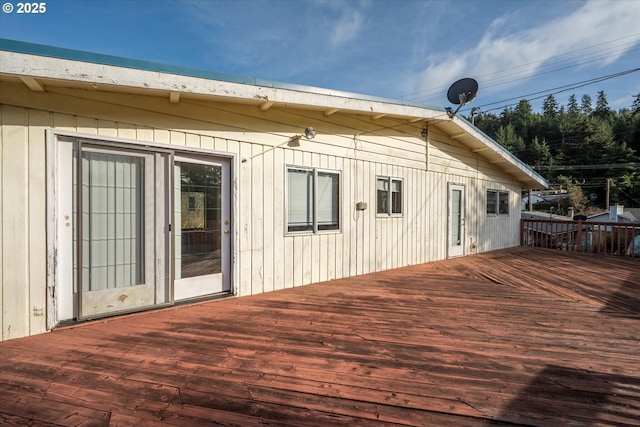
(269, 255)
(3, 123)
(364, 217)
(265, 257)
(255, 216)
(39, 121)
(243, 216)
(277, 205)
(15, 224)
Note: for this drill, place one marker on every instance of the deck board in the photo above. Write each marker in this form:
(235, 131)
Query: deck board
(523, 336)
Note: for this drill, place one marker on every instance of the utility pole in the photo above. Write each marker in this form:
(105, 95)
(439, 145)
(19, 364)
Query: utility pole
(608, 192)
(474, 112)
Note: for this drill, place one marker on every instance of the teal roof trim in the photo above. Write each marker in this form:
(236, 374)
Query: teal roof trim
(98, 58)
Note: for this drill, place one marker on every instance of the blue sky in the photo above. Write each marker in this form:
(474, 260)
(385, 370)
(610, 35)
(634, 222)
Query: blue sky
(401, 49)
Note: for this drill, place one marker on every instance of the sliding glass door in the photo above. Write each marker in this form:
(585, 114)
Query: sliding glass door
(135, 227)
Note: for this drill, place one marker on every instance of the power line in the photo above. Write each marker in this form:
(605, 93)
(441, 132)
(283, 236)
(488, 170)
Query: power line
(567, 87)
(556, 90)
(548, 65)
(488, 83)
(596, 166)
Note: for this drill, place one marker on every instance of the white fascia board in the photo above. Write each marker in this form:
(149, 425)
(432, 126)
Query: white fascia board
(502, 153)
(73, 70)
(43, 67)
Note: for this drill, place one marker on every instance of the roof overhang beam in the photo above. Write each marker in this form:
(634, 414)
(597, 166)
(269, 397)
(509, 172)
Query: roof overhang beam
(266, 105)
(32, 83)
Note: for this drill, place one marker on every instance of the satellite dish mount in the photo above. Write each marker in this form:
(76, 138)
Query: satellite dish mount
(460, 93)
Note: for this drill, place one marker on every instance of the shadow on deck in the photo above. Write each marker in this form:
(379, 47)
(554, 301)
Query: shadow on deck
(566, 396)
(523, 336)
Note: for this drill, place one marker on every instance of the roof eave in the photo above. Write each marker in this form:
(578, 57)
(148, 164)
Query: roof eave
(31, 62)
(497, 153)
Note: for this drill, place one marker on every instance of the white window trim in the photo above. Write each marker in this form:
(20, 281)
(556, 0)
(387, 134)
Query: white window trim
(314, 229)
(389, 212)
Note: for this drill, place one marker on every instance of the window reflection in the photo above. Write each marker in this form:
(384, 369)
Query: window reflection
(200, 218)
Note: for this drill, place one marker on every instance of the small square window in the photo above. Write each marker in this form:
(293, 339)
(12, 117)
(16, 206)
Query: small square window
(497, 202)
(388, 195)
(313, 200)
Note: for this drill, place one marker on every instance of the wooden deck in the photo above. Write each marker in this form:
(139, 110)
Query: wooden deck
(522, 336)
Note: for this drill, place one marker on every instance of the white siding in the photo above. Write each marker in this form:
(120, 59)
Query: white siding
(265, 257)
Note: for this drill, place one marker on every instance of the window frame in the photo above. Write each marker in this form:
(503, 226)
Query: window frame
(316, 227)
(390, 205)
(498, 197)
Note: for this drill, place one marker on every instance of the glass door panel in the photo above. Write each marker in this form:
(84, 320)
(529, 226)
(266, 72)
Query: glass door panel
(455, 217)
(201, 218)
(456, 220)
(122, 249)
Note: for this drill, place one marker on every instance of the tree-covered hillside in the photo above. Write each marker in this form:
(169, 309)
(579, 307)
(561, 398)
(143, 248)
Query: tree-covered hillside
(586, 143)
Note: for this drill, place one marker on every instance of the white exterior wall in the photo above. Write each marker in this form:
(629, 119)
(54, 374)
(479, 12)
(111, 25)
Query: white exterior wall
(265, 257)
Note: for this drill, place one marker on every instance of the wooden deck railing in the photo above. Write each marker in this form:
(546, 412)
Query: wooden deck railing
(613, 238)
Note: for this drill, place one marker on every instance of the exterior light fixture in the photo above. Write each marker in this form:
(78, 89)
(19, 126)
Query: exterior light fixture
(310, 133)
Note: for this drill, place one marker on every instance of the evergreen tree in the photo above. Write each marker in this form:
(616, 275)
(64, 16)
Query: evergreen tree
(623, 127)
(585, 106)
(575, 135)
(538, 153)
(602, 106)
(550, 107)
(489, 123)
(523, 120)
(634, 127)
(508, 138)
(575, 199)
(635, 107)
(572, 106)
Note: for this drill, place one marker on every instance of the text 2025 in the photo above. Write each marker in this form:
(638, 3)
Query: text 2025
(31, 7)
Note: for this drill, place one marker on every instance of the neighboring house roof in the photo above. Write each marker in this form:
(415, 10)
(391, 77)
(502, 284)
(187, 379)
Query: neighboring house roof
(40, 66)
(633, 213)
(544, 215)
(616, 213)
(606, 217)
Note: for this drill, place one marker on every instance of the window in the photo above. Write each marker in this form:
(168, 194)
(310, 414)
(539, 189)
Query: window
(313, 200)
(388, 195)
(503, 203)
(497, 202)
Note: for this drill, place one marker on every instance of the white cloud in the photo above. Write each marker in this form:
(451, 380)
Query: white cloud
(342, 21)
(599, 33)
(347, 27)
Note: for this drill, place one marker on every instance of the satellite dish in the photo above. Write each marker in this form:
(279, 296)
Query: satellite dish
(460, 93)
